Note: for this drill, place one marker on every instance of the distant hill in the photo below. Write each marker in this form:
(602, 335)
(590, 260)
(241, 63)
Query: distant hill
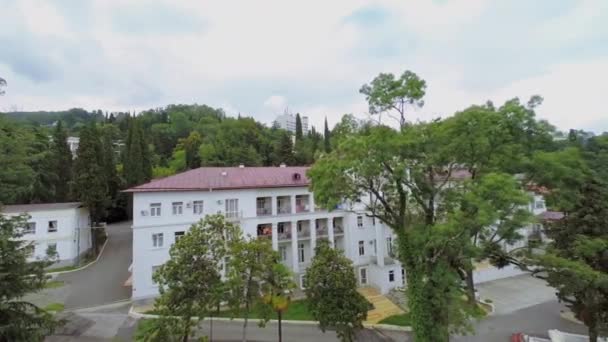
(71, 118)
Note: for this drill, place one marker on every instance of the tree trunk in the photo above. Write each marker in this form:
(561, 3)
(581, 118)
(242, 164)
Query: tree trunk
(593, 334)
(280, 314)
(211, 328)
(470, 287)
(244, 339)
(186, 332)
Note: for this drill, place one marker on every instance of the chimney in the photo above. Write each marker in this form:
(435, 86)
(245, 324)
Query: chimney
(241, 166)
(282, 165)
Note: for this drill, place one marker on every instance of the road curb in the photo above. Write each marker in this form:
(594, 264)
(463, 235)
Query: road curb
(138, 315)
(53, 274)
(99, 307)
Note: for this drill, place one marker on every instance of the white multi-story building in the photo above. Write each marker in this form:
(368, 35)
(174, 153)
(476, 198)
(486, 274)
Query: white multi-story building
(73, 143)
(63, 227)
(266, 202)
(287, 122)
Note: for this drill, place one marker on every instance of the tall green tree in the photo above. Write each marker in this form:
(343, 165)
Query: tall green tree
(331, 290)
(388, 93)
(191, 146)
(136, 160)
(41, 189)
(576, 261)
(90, 184)
(188, 282)
(16, 175)
(406, 172)
(299, 132)
(21, 320)
(277, 287)
(250, 259)
(62, 163)
(326, 138)
(284, 150)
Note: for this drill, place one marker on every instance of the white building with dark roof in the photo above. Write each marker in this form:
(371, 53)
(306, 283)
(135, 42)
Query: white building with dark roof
(63, 227)
(266, 202)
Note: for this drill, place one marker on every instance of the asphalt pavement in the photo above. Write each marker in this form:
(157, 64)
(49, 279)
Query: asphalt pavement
(102, 283)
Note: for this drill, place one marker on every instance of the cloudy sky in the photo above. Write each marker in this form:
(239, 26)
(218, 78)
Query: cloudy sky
(258, 57)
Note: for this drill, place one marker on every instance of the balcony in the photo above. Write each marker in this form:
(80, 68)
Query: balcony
(283, 205)
(264, 231)
(264, 206)
(302, 203)
(338, 230)
(322, 231)
(303, 230)
(233, 215)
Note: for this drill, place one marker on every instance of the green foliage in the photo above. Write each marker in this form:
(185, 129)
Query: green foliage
(54, 307)
(331, 290)
(251, 265)
(284, 150)
(191, 147)
(403, 320)
(299, 131)
(53, 284)
(188, 282)
(90, 182)
(326, 138)
(61, 159)
(21, 320)
(136, 159)
(577, 260)
(387, 93)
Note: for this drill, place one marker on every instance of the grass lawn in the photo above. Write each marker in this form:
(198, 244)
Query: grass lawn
(297, 311)
(53, 284)
(402, 320)
(54, 307)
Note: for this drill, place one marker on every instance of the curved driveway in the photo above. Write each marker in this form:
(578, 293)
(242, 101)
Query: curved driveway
(102, 282)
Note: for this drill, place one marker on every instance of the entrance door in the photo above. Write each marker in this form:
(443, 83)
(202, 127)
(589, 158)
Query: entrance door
(363, 276)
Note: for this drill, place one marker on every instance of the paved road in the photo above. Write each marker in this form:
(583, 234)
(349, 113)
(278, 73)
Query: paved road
(102, 282)
(515, 293)
(535, 320)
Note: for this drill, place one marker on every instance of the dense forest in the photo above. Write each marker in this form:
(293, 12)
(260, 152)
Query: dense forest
(119, 150)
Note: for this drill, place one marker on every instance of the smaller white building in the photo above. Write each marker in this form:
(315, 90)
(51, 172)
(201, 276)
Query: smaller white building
(63, 227)
(287, 122)
(73, 143)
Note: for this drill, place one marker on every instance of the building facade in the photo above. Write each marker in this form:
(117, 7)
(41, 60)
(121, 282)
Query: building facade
(266, 202)
(287, 122)
(62, 227)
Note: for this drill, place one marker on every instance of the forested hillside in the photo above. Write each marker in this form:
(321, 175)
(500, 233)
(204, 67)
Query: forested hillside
(118, 150)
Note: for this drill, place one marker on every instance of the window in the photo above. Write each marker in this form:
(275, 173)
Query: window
(178, 208)
(539, 204)
(299, 227)
(178, 235)
(232, 207)
(281, 228)
(157, 240)
(197, 207)
(52, 226)
(51, 248)
(30, 228)
(155, 209)
(389, 245)
(360, 221)
(403, 276)
(361, 247)
(283, 253)
(363, 275)
(301, 252)
(302, 281)
(391, 276)
(154, 269)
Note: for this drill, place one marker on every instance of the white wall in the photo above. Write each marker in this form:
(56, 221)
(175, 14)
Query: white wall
(65, 238)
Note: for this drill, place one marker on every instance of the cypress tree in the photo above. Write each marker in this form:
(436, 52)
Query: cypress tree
(299, 133)
(137, 163)
(326, 137)
(62, 163)
(90, 182)
(285, 150)
(191, 146)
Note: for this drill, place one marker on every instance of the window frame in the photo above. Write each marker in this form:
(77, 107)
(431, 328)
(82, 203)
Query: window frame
(200, 205)
(301, 253)
(391, 276)
(178, 235)
(233, 205)
(155, 209)
(177, 208)
(156, 237)
(361, 248)
(28, 228)
(53, 230)
(359, 221)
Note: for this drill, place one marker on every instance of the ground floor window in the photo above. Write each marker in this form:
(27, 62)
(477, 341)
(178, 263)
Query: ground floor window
(403, 276)
(154, 269)
(301, 252)
(391, 276)
(363, 276)
(361, 247)
(302, 281)
(283, 253)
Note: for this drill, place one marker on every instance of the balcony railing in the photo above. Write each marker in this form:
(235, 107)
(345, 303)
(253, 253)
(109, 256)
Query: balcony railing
(284, 209)
(264, 211)
(304, 233)
(233, 215)
(302, 208)
(338, 230)
(285, 235)
(322, 231)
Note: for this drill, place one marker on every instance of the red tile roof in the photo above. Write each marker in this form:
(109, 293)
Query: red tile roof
(551, 215)
(222, 178)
